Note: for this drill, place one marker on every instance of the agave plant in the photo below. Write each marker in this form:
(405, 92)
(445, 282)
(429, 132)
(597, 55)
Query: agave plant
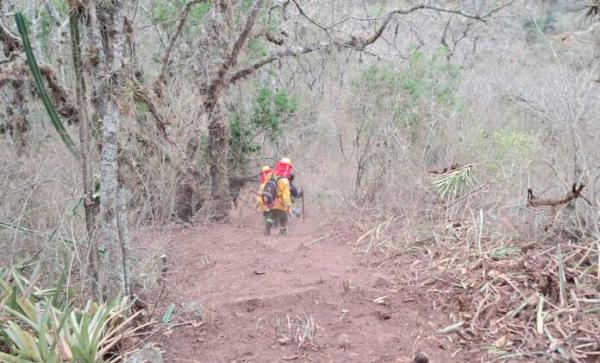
(453, 183)
(36, 330)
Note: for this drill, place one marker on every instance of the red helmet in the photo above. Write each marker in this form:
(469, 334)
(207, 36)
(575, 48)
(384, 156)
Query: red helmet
(284, 168)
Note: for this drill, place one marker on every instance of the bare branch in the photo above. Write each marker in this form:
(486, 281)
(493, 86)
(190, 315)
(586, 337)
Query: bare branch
(361, 42)
(451, 48)
(290, 52)
(166, 58)
(239, 43)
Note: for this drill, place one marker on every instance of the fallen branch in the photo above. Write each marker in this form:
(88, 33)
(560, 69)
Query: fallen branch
(445, 170)
(317, 240)
(533, 201)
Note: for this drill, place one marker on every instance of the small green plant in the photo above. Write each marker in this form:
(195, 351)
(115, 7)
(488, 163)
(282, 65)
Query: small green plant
(451, 185)
(168, 315)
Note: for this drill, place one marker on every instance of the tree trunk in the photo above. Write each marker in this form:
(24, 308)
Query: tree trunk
(107, 45)
(84, 138)
(218, 136)
(109, 171)
(218, 150)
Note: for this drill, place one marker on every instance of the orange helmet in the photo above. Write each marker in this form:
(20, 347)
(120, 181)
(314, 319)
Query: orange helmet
(265, 171)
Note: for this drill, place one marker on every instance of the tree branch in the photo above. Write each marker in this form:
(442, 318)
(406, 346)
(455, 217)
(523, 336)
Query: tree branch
(354, 42)
(166, 58)
(231, 59)
(142, 96)
(361, 42)
(290, 52)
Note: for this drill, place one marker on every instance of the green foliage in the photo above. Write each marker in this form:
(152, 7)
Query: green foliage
(198, 13)
(163, 14)
(508, 141)
(396, 94)
(269, 110)
(424, 76)
(265, 118)
(41, 88)
(166, 13)
(504, 151)
(35, 328)
(257, 48)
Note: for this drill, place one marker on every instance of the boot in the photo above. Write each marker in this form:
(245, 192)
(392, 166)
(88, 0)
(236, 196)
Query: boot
(269, 223)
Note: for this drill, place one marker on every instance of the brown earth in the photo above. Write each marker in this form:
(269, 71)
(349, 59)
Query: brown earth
(235, 289)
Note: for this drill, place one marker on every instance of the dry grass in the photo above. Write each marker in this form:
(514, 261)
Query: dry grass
(300, 330)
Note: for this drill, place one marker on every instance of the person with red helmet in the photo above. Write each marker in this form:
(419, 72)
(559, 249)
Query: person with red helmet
(283, 203)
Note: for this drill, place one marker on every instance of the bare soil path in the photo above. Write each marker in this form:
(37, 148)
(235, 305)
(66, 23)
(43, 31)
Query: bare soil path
(247, 285)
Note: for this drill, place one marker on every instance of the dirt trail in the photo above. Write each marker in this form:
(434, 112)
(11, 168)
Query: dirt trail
(243, 280)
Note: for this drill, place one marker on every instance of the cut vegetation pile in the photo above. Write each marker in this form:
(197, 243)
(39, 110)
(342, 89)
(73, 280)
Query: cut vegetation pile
(514, 297)
(533, 301)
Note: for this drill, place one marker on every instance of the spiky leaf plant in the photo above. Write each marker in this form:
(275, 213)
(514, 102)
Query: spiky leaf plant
(452, 184)
(36, 330)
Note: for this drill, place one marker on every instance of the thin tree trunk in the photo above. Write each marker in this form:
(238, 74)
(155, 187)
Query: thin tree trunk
(84, 138)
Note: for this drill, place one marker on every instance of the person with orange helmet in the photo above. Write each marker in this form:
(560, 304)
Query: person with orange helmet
(264, 176)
